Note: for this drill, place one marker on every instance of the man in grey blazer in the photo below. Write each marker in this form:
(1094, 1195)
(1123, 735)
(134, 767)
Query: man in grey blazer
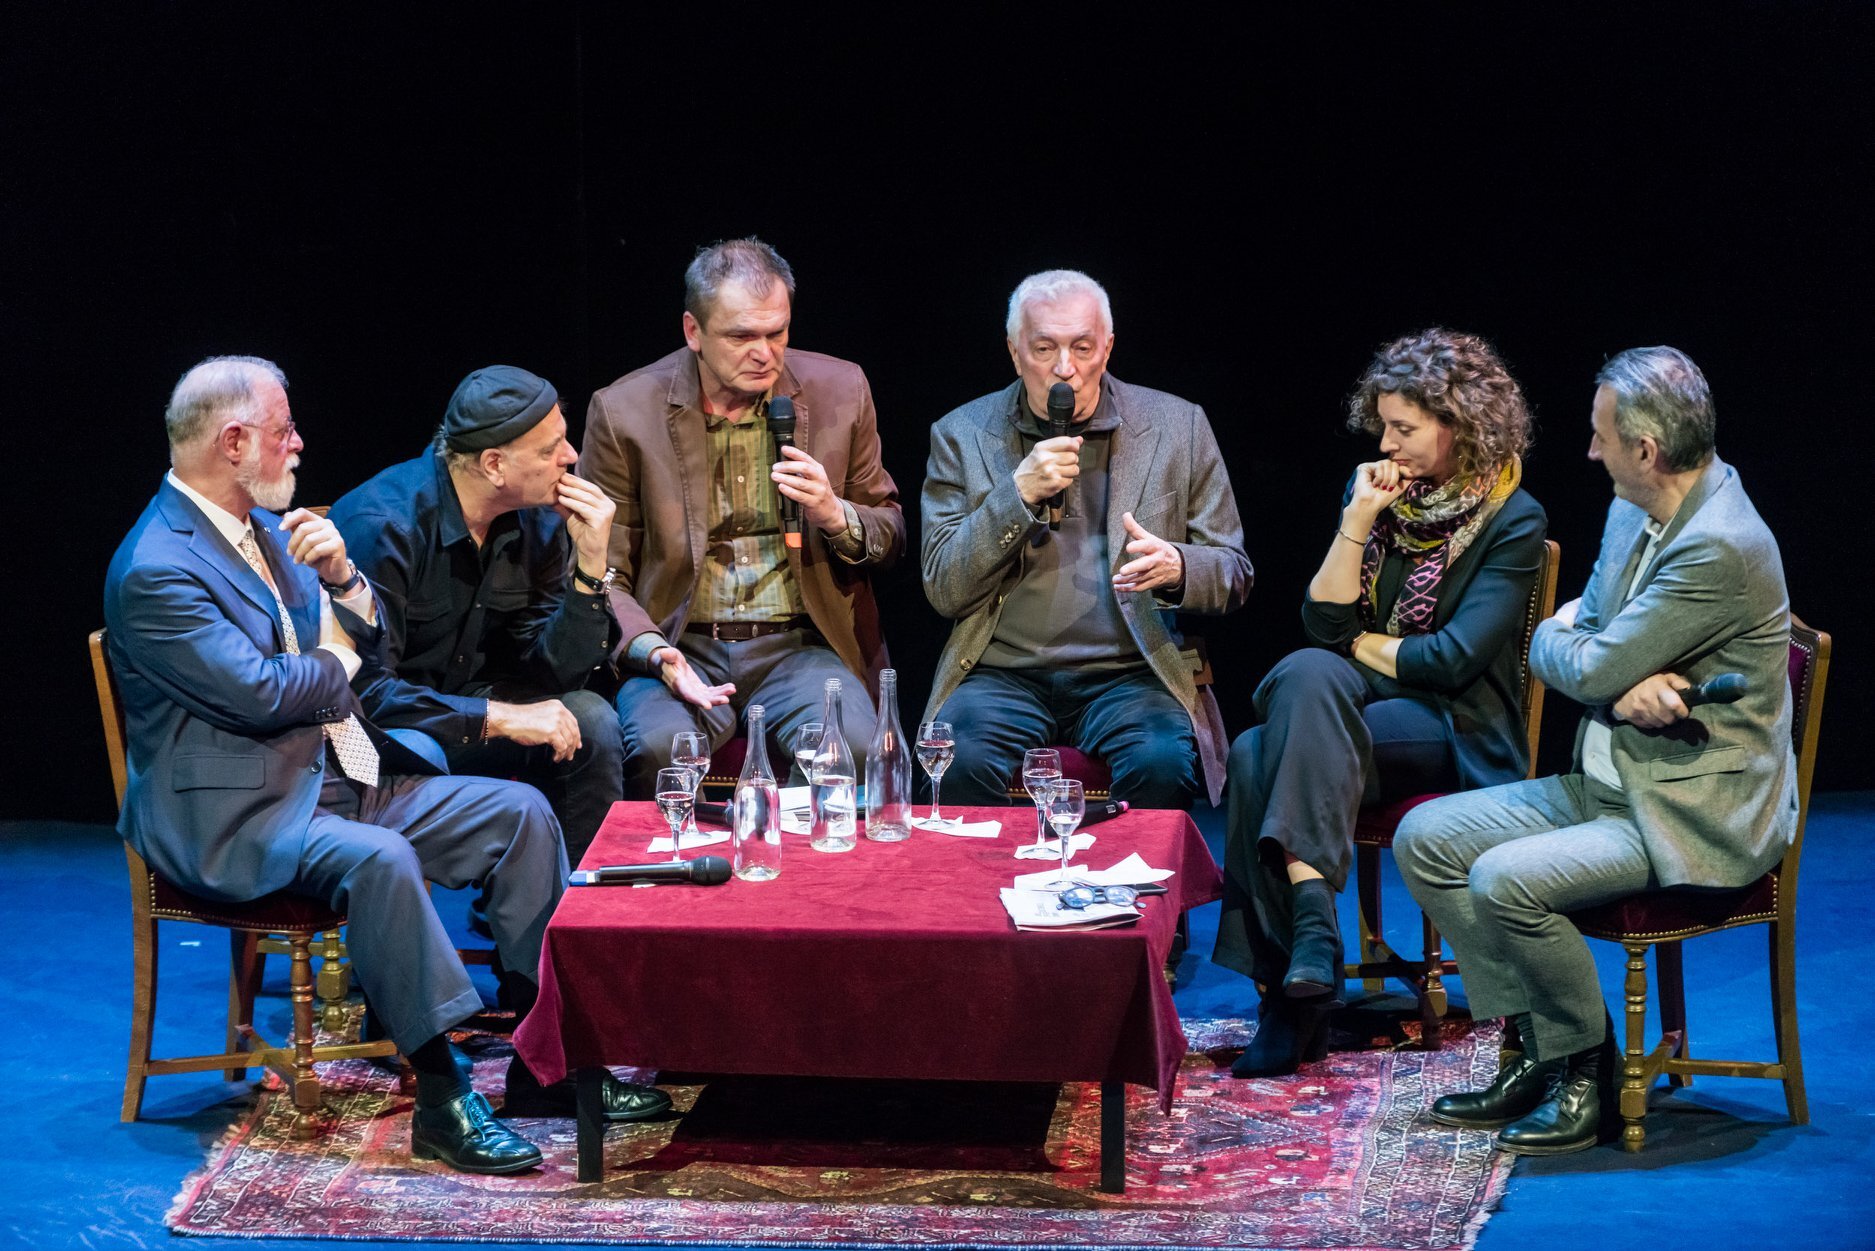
(234, 633)
(1064, 617)
(1688, 584)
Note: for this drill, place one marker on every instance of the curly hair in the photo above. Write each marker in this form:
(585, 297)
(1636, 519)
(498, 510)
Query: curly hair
(1459, 379)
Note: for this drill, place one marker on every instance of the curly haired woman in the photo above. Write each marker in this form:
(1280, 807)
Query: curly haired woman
(1413, 680)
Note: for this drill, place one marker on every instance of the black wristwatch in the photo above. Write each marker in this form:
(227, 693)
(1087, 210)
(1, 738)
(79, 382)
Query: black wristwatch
(342, 589)
(594, 586)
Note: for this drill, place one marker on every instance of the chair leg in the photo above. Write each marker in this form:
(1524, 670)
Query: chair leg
(245, 964)
(1784, 1018)
(142, 1013)
(1431, 988)
(1367, 898)
(1670, 982)
(335, 981)
(305, 1080)
(1633, 1068)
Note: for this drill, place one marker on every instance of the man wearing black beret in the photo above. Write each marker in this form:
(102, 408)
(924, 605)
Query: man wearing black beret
(471, 548)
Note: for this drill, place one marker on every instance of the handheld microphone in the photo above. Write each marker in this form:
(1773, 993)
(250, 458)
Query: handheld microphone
(1096, 813)
(703, 871)
(1060, 414)
(1720, 688)
(781, 425)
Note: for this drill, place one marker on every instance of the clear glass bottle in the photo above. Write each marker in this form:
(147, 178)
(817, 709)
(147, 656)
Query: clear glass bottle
(888, 770)
(832, 783)
(755, 819)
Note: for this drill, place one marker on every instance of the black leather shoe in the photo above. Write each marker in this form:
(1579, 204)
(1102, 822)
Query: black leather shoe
(1315, 943)
(1569, 1119)
(1520, 1085)
(618, 1101)
(464, 1134)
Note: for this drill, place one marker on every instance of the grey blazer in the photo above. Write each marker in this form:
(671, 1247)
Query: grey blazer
(1714, 795)
(1165, 469)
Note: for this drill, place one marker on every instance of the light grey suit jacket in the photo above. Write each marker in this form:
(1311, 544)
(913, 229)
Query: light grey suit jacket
(1164, 468)
(1715, 795)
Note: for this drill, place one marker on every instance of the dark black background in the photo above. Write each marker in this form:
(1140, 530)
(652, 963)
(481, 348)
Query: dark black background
(382, 197)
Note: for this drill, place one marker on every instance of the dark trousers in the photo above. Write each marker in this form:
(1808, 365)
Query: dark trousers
(581, 790)
(785, 673)
(1126, 718)
(369, 851)
(1334, 736)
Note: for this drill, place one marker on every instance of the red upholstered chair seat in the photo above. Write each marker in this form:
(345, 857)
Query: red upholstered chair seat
(276, 913)
(1095, 778)
(1666, 914)
(1374, 826)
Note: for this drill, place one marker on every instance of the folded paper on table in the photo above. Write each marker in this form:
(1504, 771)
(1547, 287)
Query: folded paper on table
(960, 829)
(1051, 850)
(1042, 910)
(1131, 871)
(692, 838)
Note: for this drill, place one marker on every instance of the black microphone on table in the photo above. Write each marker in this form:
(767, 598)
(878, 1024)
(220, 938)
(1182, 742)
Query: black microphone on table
(781, 425)
(1060, 416)
(1720, 688)
(703, 871)
(1096, 813)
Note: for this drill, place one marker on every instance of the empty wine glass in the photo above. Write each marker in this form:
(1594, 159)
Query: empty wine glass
(1066, 805)
(937, 743)
(806, 746)
(690, 750)
(675, 801)
(1041, 769)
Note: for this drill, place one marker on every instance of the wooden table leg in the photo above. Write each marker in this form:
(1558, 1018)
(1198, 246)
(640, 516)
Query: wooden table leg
(1113, 1137)
(591, 1138)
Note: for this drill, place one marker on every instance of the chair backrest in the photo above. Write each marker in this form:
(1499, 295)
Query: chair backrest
(111, 712)
(1809, 677)
(1542, 604)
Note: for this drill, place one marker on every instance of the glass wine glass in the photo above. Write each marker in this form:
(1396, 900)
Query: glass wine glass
(937, 744)
(1066, 806)
(676, 799)
(690, 750)
(1041, 769)
(806, 747)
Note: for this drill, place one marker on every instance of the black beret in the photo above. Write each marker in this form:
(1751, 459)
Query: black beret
(494, 406)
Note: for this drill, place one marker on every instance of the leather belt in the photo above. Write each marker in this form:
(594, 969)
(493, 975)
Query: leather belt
(743, 631)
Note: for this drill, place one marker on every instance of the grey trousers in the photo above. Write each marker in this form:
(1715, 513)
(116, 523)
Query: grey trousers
(1497, 869)
(368, 852)
(785, 673)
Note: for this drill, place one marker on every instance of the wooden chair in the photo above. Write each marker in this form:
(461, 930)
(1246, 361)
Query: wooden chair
(1375, 826)
(1664, 919)
(299, 920)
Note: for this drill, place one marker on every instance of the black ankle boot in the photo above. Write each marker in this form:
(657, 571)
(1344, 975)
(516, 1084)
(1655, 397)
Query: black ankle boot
(1315, 942)
(1520, 1085)
(1288, 1034)
(1577, 1111)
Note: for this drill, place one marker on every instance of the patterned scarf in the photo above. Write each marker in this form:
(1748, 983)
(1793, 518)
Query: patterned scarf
(1432, 526)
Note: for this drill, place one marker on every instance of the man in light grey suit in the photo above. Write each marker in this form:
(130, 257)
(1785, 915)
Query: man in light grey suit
(234, 633)
(1064, 631)
(1688, 584)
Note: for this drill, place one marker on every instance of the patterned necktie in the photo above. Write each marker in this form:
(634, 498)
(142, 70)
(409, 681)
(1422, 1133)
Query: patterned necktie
(353, 747)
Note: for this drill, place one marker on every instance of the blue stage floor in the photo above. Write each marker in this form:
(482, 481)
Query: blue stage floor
(1722, 1167)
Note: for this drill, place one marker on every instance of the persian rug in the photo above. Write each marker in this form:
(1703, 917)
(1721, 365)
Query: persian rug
(1340, 1155)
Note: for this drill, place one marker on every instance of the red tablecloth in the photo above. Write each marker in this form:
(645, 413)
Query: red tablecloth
(892, 960)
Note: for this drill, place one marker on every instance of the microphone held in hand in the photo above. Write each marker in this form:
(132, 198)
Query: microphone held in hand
(1060, 416)
(781, 425)
(703, 871)
(1720, 688)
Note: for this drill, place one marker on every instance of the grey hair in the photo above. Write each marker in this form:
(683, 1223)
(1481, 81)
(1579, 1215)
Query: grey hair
(1660, 392)
(219, 386)
(749, 263)
(1051, 285)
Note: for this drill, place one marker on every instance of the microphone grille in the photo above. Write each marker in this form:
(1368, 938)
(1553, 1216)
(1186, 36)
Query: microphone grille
(1060, 402)
(780, 408)
(709, 870)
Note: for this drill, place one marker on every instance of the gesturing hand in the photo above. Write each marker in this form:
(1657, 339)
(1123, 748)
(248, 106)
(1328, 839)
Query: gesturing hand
(803, 479)
(1048, 468)
(315, 542)
(588, 513)
(1376, 485)
(684, 682)
(548, 721)
(1158, 563)
(1654, 703)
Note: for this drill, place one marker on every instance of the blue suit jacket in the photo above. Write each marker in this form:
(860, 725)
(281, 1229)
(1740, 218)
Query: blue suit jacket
(226, 751)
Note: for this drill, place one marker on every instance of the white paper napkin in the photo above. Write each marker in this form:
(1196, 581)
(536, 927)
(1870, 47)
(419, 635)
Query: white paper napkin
(961, 829)
(1131, 871)
(692, 838)
(1051, 850)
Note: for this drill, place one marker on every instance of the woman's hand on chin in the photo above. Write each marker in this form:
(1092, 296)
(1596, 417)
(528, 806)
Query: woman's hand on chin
(1376, 485)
